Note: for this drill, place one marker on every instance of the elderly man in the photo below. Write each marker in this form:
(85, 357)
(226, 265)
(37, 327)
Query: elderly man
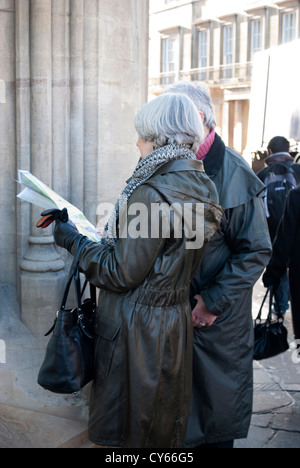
(221, 292)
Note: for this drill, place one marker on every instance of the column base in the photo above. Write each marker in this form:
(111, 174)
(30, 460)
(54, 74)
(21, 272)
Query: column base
(42, 282)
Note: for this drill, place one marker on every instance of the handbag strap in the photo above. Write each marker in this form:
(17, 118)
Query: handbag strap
(258, 318)
(279, 314)
(92, 291)
(273, 295)
(74, 273)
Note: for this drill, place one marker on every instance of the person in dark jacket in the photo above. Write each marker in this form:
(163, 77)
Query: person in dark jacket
(143, 352)
(286, 251)
(278, 153)
(222, 289)
(279, 160)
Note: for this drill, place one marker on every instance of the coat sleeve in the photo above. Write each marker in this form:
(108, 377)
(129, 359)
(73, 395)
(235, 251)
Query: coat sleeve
(125, 267)
(247, 236)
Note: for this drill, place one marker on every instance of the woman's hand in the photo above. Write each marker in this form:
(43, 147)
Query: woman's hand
(65, 235)
(201, 315)
(65, 232)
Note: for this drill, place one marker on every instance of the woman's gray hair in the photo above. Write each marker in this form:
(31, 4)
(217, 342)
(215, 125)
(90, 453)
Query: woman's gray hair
(199, 93)
(170, 119)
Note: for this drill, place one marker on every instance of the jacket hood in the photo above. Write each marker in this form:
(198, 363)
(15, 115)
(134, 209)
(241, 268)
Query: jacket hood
(279, 158)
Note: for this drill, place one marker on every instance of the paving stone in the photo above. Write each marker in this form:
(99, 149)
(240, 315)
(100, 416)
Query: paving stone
(285, 440)
(261, 420)
(266, 402)
(287, 422)
(258, 438)
(22, 428)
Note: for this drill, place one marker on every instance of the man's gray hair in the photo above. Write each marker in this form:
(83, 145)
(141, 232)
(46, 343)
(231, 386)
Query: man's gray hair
(170, 118)
(199, 93)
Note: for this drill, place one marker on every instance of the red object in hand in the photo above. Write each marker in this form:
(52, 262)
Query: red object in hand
(51, 215)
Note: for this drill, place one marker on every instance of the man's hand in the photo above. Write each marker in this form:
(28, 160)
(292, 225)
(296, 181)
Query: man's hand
(201, 315)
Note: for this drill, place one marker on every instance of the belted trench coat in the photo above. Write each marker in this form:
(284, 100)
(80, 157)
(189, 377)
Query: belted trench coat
(143, 358)
(236, 256)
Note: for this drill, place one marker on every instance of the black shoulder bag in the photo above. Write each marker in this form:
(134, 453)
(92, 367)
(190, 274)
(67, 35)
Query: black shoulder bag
(270, 337)
(68, 363)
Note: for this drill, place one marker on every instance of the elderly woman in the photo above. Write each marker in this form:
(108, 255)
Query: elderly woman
(144, 334)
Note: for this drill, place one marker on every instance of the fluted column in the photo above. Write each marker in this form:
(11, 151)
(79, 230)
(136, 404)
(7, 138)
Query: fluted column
(60, 97)
(41, 91)
(7, 144)
(91, 97)
(42, 267)
(76, 102)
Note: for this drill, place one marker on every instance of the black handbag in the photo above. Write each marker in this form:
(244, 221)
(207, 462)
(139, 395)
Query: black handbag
(270, 336)
(68, 363)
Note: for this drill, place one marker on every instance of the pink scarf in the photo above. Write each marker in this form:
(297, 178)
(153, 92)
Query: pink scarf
(205, 147)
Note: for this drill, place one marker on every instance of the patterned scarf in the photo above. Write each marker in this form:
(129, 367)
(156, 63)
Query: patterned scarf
(145, 169)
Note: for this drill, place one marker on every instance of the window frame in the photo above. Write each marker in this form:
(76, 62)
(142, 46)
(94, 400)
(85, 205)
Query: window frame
(285, 33)
(203, 75)
(169, 76)
(227, 72)
(253, 47)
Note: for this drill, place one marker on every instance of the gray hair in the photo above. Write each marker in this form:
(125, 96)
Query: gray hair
(169, 119)
(199, 93)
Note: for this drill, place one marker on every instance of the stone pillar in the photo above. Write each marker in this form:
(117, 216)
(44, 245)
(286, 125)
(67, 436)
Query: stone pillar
(7, 144)
(42, 268)
(60, 98)
(91, 96)
(76, 103)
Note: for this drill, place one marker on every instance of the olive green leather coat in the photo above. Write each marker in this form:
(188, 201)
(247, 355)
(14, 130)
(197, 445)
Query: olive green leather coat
(142, 386)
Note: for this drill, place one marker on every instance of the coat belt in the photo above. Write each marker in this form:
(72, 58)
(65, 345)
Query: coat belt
(161, 298)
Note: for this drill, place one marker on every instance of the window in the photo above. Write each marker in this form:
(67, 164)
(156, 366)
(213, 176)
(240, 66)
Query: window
(203, 53)
(227, 51)
(288, 26)
(256, 36)
(169, 59)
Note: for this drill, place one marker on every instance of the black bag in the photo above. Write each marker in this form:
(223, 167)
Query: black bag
(270, 337)
(68, 363)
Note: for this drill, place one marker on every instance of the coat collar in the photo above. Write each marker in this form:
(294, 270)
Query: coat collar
(235, 181)
(215, 157)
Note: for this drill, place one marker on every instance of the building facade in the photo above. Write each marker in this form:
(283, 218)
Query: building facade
(215, 41)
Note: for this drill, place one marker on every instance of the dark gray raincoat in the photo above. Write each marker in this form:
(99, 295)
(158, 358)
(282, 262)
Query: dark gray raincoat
(143, 370)
(234, 260)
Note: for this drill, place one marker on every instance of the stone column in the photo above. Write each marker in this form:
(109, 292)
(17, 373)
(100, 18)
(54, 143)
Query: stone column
(60, 97)
(91, 96)
(42, 268)
(7, 144)
(76, 103)
(22, 8)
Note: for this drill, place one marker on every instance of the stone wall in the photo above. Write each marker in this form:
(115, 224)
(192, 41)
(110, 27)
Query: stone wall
(73, 74)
